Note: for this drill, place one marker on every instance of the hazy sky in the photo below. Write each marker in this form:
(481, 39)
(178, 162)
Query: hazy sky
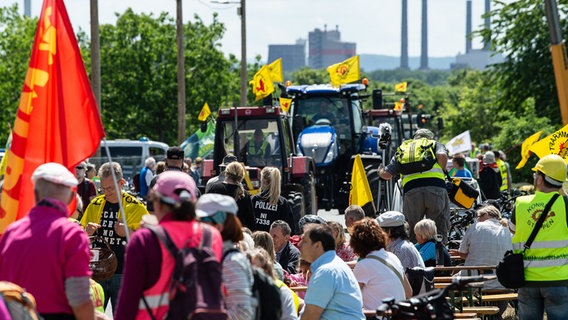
(374, 25)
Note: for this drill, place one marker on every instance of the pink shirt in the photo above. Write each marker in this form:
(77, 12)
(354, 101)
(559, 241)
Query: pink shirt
(41, 250)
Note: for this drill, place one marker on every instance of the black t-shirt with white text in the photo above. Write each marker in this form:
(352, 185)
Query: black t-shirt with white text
(117, 243)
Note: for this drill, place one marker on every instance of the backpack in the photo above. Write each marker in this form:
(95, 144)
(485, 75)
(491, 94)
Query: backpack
(266, 292)
(421, 279)
(19, 303)
(416, 155)
(195, 286)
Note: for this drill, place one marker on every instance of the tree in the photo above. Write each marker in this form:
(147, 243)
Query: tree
(138, 71)
(519, 31)
(16, 39)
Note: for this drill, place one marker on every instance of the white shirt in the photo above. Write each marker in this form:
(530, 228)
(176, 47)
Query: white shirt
(379, 281)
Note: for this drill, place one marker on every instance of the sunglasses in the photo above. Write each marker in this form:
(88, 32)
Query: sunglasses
(79, 168)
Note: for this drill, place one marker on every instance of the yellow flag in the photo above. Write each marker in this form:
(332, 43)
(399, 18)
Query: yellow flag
(262, 85)
(398, 105)
(285, 104)
(525, 152)
(344, 72)
(4, 162)
(276, 70)
(360, 193)
(400, 87)
(556, 143)
(205, 113)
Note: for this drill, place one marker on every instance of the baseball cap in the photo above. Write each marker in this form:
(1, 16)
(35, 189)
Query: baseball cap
(391, 219)
(174, 153)
(489, 157)
(173, 187)
(210, 203)
(55, 173)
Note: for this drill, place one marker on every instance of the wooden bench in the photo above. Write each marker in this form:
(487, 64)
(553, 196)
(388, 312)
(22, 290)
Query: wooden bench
(465, 315)
(481, 310)
(499, 297)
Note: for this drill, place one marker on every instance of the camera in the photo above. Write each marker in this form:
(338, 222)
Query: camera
(385, 135)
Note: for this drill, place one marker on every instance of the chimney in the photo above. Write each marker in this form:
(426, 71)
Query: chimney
(404, 36)
(468, 27)
(28, 8)
(424, 55)
(487, 43)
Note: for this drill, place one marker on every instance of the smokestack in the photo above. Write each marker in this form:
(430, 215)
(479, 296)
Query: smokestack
(28, 8)
(487, 43)
(468, 27)
(404, 36)
(424, 55)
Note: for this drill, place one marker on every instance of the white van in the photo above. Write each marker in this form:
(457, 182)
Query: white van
(131, 154)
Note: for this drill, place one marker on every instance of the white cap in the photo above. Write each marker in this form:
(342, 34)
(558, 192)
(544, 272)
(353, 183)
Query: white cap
(211, 203)
(391, 219)
(55, 173)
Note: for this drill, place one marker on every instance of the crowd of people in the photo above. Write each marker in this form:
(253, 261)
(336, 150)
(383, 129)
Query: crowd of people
(343, 275)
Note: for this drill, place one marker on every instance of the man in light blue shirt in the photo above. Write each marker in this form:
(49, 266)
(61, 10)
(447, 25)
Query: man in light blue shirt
(333, 292)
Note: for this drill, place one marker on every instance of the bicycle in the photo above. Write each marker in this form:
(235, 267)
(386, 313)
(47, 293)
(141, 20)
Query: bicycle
(430, 305)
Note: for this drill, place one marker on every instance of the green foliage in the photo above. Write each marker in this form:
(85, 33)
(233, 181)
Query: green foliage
(431, 77)
(139, 75)
(16, 39)
(519, 31)
(512, 135)
(310, 76)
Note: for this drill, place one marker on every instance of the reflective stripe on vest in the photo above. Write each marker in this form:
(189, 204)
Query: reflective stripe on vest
(547, 258)
(435, 172)
(261, 151)
(504, 175)
(157, 296)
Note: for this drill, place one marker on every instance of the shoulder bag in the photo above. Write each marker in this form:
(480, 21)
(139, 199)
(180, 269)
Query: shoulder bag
(511, 270)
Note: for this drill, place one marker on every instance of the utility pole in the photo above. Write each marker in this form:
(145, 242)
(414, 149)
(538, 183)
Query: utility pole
(180, 72)
(244, 83)
(95, 53)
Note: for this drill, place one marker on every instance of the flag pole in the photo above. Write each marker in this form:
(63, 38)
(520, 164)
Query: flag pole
(117, 190)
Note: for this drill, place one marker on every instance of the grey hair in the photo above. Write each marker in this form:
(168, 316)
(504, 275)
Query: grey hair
(105, 170)
(423, 133)
(284, 226)
(150, 162)
(426, 228)
(489, 210)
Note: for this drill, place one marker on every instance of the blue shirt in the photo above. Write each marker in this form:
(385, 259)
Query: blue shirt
(334, 288)
(463, 173)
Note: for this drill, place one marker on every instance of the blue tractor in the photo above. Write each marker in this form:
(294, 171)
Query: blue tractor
(329, 127)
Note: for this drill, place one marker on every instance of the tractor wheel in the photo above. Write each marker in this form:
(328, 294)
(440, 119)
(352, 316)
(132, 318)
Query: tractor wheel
(310, 200)
(373, 178)
(296, 201)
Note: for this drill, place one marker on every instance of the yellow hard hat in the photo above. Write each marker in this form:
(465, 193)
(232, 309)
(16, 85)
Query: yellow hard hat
(553, 166)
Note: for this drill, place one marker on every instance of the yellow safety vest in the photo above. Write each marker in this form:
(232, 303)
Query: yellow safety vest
(436, 172)
(547, 258)
(504, 175)
(261, 152)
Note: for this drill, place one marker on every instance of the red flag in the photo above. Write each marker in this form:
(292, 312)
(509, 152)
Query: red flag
(57, 119)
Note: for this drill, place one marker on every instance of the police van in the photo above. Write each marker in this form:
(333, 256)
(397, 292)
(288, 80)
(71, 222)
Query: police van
(131, 154)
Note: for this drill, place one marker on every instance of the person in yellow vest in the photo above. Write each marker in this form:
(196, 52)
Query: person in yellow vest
(257, 150)
(98, 295)
(503, 171)
(546, 261)
(474, 151)
(425, 192)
